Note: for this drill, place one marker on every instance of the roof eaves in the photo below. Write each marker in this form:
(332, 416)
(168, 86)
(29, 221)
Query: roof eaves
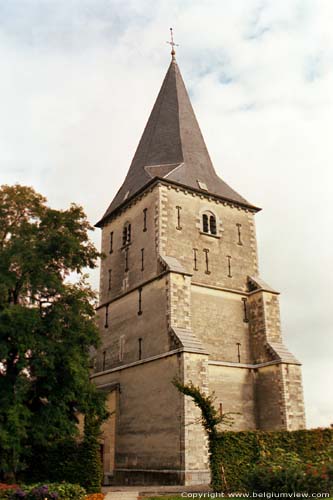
(162, 180)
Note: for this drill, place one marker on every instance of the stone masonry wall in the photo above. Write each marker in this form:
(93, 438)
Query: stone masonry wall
(270, 400)
(129, 334)
(293, 396)
(141, 239)
(234, 389)
(218, 321)
(194, 440)
(180, 238)
(264, 323)
(148, 422)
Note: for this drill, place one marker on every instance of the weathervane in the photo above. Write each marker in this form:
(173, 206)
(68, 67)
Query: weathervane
(173, 45)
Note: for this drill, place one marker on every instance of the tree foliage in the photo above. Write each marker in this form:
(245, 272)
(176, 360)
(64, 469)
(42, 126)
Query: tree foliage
(46, 324)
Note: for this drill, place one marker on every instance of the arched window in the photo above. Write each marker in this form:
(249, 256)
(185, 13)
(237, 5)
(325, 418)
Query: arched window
(209, 223)
(127, 234)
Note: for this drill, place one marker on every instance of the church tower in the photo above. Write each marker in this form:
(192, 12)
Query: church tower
(180, 296)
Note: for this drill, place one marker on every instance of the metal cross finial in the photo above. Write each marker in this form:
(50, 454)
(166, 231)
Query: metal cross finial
(173, 45)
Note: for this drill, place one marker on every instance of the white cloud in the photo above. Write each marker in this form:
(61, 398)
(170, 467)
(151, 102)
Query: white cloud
(78, 80)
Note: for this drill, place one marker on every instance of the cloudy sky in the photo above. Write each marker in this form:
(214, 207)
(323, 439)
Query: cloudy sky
(78, 79)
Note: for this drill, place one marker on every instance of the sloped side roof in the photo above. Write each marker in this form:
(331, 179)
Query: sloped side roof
(172, 147)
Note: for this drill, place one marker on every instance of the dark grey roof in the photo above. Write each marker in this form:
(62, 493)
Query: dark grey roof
(172, 147)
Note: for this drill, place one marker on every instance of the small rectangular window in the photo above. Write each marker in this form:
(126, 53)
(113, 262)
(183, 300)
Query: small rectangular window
(195, 258)
(206, 250)
(111, 242)
(142, 259)
(238, 351)
(246, 318)
(145, 219)
(140, 348)
(109, 279)
(106, 323)
(229, 266)
(179, 227)
(239, 227)
(126, 260)
(140, 301)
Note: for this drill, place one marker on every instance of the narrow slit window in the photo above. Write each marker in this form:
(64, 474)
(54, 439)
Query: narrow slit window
(206, 251)
(106, 322)
(104, 360)
(239, 231)
(142, 259)
(145, 219)
(229, 266)
(140, 348)
(179, 227)
(140, 302)
(126, 261)
(238, 351)
(195, 259)
(246, 318)
(111, 243)
(109, 279)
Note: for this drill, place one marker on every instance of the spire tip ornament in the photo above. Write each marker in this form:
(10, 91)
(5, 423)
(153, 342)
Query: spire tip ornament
(173, 45)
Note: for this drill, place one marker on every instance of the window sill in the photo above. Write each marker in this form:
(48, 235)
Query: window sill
(211, 235)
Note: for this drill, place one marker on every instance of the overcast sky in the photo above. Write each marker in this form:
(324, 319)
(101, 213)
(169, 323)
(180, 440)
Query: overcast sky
(78, 79)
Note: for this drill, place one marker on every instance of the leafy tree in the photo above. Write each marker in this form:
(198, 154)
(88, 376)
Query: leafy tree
(46, 324)
(210, 419)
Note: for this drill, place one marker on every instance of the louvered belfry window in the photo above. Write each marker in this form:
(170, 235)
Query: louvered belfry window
(205, 223)
(212, 223)
(127, 234)
(209, 225)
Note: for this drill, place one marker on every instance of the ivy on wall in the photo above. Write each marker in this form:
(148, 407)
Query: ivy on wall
(240, 451)
(233, 455)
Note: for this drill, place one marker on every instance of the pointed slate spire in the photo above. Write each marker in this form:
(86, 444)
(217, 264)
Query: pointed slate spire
(172, 147)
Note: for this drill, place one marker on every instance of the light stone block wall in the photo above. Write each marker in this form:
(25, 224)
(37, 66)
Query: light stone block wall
(147, 240)
(120, 340)
(264, 323)
(179, 301)
(234, 388)
(195, 442)
(180, 243)
(148, 416)
(293, 396)
(218, 321)
(270, 398)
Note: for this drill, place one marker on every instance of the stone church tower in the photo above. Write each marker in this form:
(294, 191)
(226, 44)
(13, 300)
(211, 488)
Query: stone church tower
(180, 295)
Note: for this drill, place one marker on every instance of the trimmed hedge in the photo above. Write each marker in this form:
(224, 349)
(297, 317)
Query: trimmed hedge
(70, 461)
(238, 452)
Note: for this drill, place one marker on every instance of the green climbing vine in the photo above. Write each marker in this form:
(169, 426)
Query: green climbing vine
(211, 419)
